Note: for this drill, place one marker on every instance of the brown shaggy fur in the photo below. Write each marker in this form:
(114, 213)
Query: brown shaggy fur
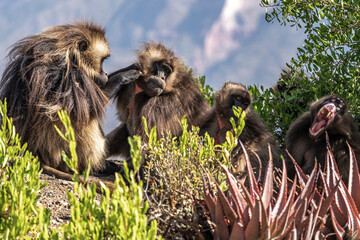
(60, 68)
(162, 102)
(305, 148)
(255, 135)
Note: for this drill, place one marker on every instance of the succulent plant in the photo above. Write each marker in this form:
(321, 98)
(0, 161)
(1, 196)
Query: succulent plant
(317, 206)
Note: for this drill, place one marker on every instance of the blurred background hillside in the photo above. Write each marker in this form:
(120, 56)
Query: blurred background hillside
(223, 40)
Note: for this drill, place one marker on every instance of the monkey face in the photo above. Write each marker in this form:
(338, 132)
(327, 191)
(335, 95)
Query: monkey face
(92, 56)
(155, 78)
(160, 69)
(327, 115)
(102, 77)
(231, 95)
(241, 100)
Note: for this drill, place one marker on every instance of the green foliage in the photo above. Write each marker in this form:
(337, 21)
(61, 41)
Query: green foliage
(280, 109)
(120, 215)
(239, 115)
(173, 181)
(206, 90)
(69, 137)
(20, 216)
(327, 63)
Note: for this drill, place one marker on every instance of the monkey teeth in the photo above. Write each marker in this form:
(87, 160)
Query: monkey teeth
(323, 119)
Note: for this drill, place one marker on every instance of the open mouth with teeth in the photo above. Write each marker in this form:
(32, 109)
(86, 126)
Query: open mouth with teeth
(323, 119)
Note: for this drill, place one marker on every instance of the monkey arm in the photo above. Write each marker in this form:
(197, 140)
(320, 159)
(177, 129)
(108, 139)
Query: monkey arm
(120, 78)
(118, 142)
(210, 124)
(297, 139)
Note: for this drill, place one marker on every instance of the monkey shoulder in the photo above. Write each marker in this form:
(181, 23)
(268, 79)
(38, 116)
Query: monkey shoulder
(255, 128)
(300, 127)
(257, 137)
(210, 124)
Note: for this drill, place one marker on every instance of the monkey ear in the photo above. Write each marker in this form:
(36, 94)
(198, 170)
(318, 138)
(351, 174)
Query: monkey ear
(83, 45)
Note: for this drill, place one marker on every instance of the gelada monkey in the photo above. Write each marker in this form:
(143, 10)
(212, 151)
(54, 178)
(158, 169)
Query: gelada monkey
(306, 138)
(255, 135)
(61, 68)
(163, 94)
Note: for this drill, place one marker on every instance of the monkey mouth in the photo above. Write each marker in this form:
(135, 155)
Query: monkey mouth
(323, 119)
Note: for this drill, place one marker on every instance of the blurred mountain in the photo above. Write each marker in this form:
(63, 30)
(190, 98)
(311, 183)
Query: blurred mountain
(223, 40)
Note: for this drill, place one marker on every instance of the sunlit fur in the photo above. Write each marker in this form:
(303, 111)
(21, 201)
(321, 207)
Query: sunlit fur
(255, 135)
(47, 72)
(181, 96)
(153, 52)
(341, 131)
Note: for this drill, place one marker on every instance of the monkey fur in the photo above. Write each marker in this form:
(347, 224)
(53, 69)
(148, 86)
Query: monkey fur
(255, 135)
(163, 94)
(61, 69)
(306, 138)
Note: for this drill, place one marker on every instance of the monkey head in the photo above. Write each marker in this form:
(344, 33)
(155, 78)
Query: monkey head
(159, 67)
(73, 47)
(62, 68)
(328, 114)
(231, 94)
(94, 67)
(89, 49)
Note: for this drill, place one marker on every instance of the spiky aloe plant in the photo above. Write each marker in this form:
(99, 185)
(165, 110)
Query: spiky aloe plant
(345, 208)
(318, 206)
(300, 213)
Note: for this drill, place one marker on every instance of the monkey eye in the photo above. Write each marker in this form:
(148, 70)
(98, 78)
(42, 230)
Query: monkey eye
(83, 45)
(166, 68)
(161, 68)
(244, 101)
(341, 104)
(240, 102)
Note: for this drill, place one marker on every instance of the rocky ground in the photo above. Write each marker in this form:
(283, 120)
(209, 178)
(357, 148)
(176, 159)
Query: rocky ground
(54, 197)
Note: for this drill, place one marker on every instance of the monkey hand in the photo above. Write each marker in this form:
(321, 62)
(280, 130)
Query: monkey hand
(120, 78)
(130, 76)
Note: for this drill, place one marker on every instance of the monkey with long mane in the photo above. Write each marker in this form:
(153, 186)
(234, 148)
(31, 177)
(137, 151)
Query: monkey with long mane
(255, 136)
(164, 93)
(328, 123)
(61, 68)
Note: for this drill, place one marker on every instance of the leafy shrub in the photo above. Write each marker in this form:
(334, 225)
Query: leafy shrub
(173, 182)
(280, 108)
(20, 216)
(206, 90)
(120, 215)
(327, 63)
